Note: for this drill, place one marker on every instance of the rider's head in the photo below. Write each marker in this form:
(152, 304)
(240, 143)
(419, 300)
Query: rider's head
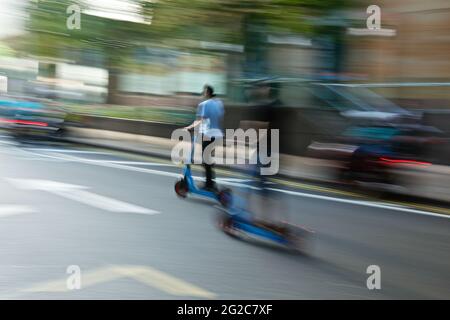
(208, 91)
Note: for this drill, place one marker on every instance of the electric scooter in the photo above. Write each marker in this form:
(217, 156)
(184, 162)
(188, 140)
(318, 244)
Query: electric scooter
(187, 185)
(236, 221)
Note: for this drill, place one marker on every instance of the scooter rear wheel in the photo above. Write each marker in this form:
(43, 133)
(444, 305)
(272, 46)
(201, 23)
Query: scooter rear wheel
(299, 240)
(181, 188)
(225, 223)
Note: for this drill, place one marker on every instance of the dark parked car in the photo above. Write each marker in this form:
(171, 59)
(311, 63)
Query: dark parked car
(25, 118)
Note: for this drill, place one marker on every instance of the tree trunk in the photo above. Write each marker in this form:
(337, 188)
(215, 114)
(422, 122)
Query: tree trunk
(112, 86)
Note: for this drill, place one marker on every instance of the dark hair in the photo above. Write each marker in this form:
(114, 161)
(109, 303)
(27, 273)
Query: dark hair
(209, 90)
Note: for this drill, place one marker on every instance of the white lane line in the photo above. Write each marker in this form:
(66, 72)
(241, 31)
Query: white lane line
(380, 205)
(65, 150)
(108, 164)
(9, 142)
(137, 163)
(39, 159)
(60, 152)
(21, 154)
(14, 210)
(295, 193)
(104, 203)
(236, 180)
(78, 193)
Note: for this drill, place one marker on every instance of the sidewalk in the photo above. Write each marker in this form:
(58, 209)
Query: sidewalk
(432, 182)
(290, 166)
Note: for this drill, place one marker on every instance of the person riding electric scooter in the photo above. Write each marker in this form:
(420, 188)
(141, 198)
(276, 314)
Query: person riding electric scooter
(208, 129)
(210, 115)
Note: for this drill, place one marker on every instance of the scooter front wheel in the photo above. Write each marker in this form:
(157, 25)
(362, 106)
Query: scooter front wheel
(181, 188)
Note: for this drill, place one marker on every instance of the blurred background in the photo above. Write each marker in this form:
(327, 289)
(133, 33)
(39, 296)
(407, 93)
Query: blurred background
(358, 110)
(334, 80)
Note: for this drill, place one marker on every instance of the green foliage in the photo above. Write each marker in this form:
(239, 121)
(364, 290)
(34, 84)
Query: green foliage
(207, 20)
(51, 37)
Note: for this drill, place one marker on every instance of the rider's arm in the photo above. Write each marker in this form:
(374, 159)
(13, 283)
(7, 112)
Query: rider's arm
(200, 116)
(194, 124)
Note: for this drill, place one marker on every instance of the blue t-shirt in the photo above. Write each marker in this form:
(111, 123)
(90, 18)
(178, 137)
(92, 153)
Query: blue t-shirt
(212, 112)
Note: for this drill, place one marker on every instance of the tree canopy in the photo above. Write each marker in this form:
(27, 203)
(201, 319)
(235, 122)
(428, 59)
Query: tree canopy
(208, 20)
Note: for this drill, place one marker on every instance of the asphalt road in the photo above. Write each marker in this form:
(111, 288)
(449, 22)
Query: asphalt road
(116, 217)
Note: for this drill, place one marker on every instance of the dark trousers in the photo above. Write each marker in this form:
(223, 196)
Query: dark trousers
(209, 172)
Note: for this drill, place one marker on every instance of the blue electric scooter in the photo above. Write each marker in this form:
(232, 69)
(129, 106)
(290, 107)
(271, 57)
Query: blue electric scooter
(187, 185)
(236, 221)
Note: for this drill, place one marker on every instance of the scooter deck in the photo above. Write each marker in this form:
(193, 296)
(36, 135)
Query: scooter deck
(240, 224)
(193, 189)
(259, 231)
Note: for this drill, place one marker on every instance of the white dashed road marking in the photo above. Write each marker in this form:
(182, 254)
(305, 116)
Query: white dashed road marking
(14, 210)
(78, 193)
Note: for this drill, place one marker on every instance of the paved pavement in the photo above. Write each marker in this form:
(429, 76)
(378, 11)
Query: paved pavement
(114, 217)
